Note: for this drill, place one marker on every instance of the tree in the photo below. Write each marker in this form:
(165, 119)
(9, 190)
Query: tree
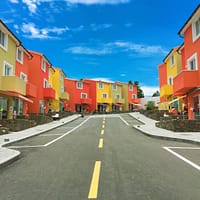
(156, 94)
(140, 92)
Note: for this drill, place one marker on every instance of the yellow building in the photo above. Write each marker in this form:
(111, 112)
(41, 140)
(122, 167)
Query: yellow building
(104, 97)
(8, 80)
(118, 100)
(173, 67)
(56, 79)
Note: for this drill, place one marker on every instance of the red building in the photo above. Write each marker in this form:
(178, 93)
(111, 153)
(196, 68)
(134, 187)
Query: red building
(81, 94)
(186, 83)
(39, 73)
(133, 100)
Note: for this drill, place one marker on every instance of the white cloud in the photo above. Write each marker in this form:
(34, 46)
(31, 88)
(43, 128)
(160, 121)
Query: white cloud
(149, 90)
(88, 50)
(31, 31)
(96, 27)
(14, 1)
(103, 79)
(90, 2)
(117, 47)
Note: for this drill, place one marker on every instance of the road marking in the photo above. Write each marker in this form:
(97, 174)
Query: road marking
(58, 138)
(25, 146)
(93, 192)
(51, 134)
(102, 132)
(103, 126)
(124, 121)
(181, 157)
(100, 143)
(104, 122)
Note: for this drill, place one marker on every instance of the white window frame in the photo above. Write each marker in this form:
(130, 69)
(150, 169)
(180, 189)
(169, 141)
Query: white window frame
(104, 95)
(84, 95)
(43, 65)
(100, 85)
(20, 60)
(172, 60)
(6, 64)
(134, 96)
(23, 76)
(79, 85)
(118, 96)
(45, 83)
(5, 40)
(189, 61)
(130, 87)
(114, 87)
(170, 80)
(196, 35)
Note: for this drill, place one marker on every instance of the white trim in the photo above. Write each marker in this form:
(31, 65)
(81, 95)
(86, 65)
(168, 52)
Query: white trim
(5, 47)
(9, 65)
(194, 35)
(85, 95)
(22, 55)
(193, 57)
(43, 65)
(104, 94)
(81, 85)
(102, 84)
(170, 80)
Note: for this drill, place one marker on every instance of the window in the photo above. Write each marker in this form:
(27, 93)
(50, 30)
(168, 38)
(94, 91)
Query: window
(7, 69)
(3, 40)
(104, 95)
(192, 62)
(130, 87)
(100, 85)
(19, 55)
(79, 85)
(170, 80)
(46, 84)
(83, 95)
(118, 96)
(134, 96)
(196, 29)
(23, 76)
(114, 87)
(43, 65)
(171, 60)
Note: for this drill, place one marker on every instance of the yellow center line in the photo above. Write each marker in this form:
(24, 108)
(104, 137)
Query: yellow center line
(103, 126)
(95, 181)
(101, 143)
(102, 132)
(104, 122)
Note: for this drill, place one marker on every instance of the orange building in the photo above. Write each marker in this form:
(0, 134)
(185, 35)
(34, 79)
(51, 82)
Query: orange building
(186, 83)
(39, 73)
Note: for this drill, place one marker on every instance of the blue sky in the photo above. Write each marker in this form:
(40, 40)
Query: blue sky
(114, 40)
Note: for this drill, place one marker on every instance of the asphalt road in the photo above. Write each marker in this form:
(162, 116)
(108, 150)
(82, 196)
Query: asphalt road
(101, 157)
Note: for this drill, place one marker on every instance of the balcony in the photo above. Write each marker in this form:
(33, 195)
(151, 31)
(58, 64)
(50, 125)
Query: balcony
(64, 96)
(135, 101)
(185, 81)
(105, 100)
(31, 90)
(49, 93)
(12, 83)
(86, 101)
(166, 90)
(120, 101)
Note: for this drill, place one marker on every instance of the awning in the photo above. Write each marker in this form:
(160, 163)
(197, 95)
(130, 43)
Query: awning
(14, 94)
(174, 100)
(117, 104)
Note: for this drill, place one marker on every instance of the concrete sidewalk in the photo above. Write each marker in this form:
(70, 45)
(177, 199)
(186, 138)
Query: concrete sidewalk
(150, 129)
(7, 155)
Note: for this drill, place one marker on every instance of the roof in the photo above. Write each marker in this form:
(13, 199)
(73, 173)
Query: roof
(188, 22)
(172, 50)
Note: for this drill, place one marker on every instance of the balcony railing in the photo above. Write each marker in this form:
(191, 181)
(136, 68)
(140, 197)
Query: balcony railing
(49, 93)
(166, 90)
(31, 90)
(185, 81)
(64, 96)
(105, 100)
(86, 101)
(13, 83)
(120, 101)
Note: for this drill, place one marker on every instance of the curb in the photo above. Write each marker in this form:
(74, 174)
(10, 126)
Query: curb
(165, 137)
